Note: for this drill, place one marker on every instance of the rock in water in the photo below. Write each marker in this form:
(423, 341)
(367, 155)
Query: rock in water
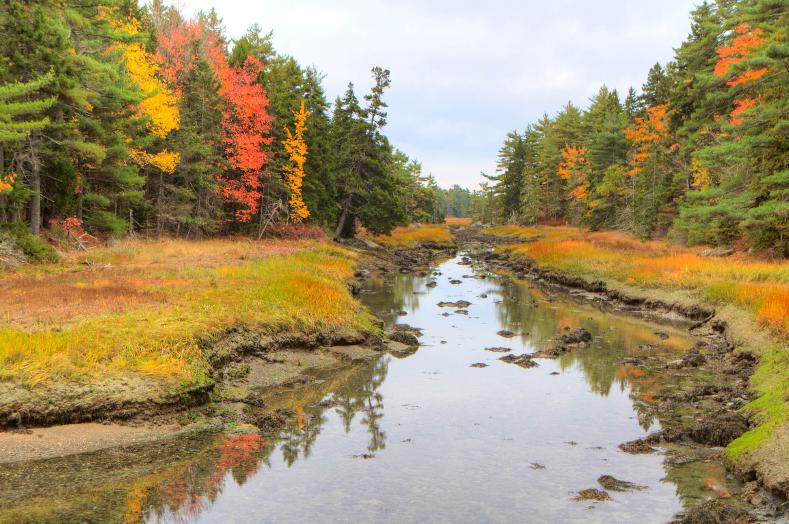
(613, 484)
(524, 361)
(592, 494)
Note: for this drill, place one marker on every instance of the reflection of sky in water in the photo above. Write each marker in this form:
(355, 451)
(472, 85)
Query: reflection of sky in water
(450, 443)
(459, 441)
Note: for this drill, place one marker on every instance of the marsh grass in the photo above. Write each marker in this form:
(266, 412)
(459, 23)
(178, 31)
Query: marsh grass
(760, 287)
(415, 235)
(458, 221)
(143, 307)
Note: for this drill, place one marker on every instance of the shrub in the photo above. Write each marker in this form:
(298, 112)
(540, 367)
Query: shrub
(295, 231)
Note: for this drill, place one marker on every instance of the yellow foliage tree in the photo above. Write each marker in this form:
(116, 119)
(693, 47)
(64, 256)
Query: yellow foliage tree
(296, 149)
(700, 173)
(161, 102)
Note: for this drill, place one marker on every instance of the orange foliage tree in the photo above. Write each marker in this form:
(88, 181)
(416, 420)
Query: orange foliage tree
(246, 122)
(574, 169)
(247, 125)
(646, 134)
(7, 182)
(296, 149)
(746, 40)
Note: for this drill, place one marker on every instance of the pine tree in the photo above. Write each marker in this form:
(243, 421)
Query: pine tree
(15, 102)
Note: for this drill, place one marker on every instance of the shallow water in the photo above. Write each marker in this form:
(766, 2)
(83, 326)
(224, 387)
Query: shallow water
(419, 438)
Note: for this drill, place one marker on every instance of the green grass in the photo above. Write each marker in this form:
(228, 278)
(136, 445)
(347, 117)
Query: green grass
(771, 409)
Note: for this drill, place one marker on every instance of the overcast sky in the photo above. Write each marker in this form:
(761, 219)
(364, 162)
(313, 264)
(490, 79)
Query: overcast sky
(464, 73)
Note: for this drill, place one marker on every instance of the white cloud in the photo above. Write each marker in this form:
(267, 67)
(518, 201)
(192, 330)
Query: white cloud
(465, 73)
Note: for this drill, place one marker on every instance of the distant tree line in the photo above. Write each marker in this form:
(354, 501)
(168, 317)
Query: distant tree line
(700, 155)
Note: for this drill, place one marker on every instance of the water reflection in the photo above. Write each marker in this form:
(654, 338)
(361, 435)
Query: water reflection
(187, 479)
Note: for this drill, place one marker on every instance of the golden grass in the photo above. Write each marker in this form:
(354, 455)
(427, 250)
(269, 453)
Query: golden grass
(758, 286)
(458, 221)
(416, 235)
(143, 306)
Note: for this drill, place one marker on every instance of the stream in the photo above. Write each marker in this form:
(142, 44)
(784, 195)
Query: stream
(418, 437)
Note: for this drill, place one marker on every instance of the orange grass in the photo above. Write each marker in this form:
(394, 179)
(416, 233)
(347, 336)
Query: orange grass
(759, 286)
(416, 235)
(143, 306)
(458, 221)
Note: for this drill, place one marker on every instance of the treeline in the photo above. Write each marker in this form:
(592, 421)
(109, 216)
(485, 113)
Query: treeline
(455, 201)
(119, 118)
(700, 155)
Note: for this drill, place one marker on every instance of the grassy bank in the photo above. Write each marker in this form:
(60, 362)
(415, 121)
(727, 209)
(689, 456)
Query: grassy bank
(434, 235)
(143, 307)
(751, 295)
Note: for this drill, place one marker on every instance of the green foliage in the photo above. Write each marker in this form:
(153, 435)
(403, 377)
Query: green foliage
(14, 103)
(455, 201)
(34, 248)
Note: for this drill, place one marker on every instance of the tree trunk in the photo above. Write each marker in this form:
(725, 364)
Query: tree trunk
(35, 187)
(342, 226)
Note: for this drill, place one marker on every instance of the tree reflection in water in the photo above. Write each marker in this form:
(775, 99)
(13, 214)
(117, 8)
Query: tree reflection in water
(184, 492)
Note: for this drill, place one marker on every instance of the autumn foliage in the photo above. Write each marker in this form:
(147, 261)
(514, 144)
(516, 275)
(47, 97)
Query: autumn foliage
(645, 134)
(7, 182)
(246, 124)
(296, 149)
(573, 170)
(743, 45)
(161, 102)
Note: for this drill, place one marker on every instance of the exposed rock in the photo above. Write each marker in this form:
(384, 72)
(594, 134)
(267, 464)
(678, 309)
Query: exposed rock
(715, 512)
(572, 339)
(505, 333)
(636, 447)
(718, 429)
(266, 421)
(461, 311)
(592, 494)
(479, 365)
(455, 281)
(460, 304)
(716, 252)
(405, 334)
(576, 336)
(499, 349)
(613, 484)
(524, 361)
